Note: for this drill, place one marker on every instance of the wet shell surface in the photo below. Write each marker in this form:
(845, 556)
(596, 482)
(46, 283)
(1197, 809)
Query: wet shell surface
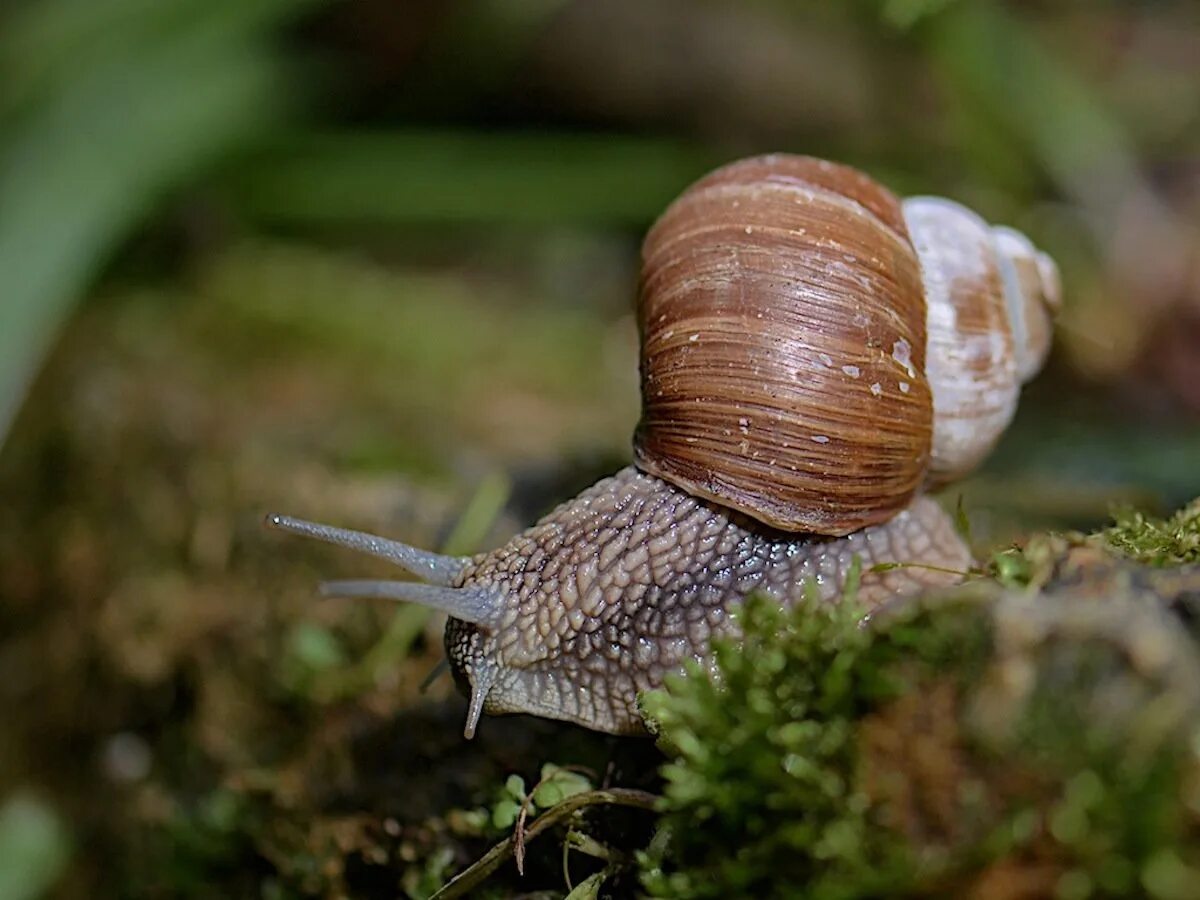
(783, 346)
(815, 351)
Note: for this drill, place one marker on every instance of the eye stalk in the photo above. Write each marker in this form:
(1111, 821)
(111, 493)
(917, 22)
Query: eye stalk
(441, 574)
(432, 568)
(479, 604)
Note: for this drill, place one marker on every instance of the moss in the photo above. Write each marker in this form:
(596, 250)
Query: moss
(982, 742)
(760, 794)
(1156, 542)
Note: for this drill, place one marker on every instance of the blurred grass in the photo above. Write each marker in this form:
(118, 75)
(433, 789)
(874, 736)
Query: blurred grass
(105, 105)
(447, 366)
(430, 176)
(1041, 114)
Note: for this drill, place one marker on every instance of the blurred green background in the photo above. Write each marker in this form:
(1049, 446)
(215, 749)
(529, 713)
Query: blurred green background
(372, 262)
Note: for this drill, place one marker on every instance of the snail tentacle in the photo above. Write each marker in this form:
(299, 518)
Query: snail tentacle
(478, 605)
(481, 677)
(432, 568)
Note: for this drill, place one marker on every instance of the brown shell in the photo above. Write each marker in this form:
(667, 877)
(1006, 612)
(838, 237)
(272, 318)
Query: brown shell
(783, 346)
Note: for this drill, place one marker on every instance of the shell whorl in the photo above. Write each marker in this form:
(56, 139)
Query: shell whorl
(783, 337)
(814, 351)
(990, 294)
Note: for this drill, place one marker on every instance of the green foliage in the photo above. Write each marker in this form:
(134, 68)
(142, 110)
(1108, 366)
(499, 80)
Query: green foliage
(309, 651)
(211, 836)
(1011, 567)
(508, 805)
(443, 177)
(760, 794)
(589, 888)
(555, 785)
(423, 881)
(1156, 542)
(105, 106)
(34, 847)
(1040, 735)
(907, 13)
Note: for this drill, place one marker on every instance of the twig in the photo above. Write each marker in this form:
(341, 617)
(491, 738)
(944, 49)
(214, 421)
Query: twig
(478, 871)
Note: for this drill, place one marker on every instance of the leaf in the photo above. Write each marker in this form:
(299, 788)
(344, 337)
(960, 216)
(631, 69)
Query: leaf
(589, 888)
(514, 785)
(1012, 568)
(962, 521)
(558, 784)
(504, 813)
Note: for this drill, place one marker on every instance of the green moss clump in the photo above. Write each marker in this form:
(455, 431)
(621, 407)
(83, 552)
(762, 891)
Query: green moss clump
(1156, 542)
(979, 743)
(760, 796)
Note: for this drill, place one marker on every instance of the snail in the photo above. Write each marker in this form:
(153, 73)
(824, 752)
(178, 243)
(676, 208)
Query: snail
(815, 356)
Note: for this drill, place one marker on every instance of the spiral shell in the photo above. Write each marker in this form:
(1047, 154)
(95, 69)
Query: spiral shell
(989, 293)
(814, 351)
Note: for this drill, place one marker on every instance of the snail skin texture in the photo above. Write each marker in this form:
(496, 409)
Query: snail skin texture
(815, 354)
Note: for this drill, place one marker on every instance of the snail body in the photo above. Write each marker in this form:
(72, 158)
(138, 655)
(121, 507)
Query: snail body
(815, 355)
(643, 577)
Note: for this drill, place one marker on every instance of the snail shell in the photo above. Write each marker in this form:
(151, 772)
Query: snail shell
(814, 351)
